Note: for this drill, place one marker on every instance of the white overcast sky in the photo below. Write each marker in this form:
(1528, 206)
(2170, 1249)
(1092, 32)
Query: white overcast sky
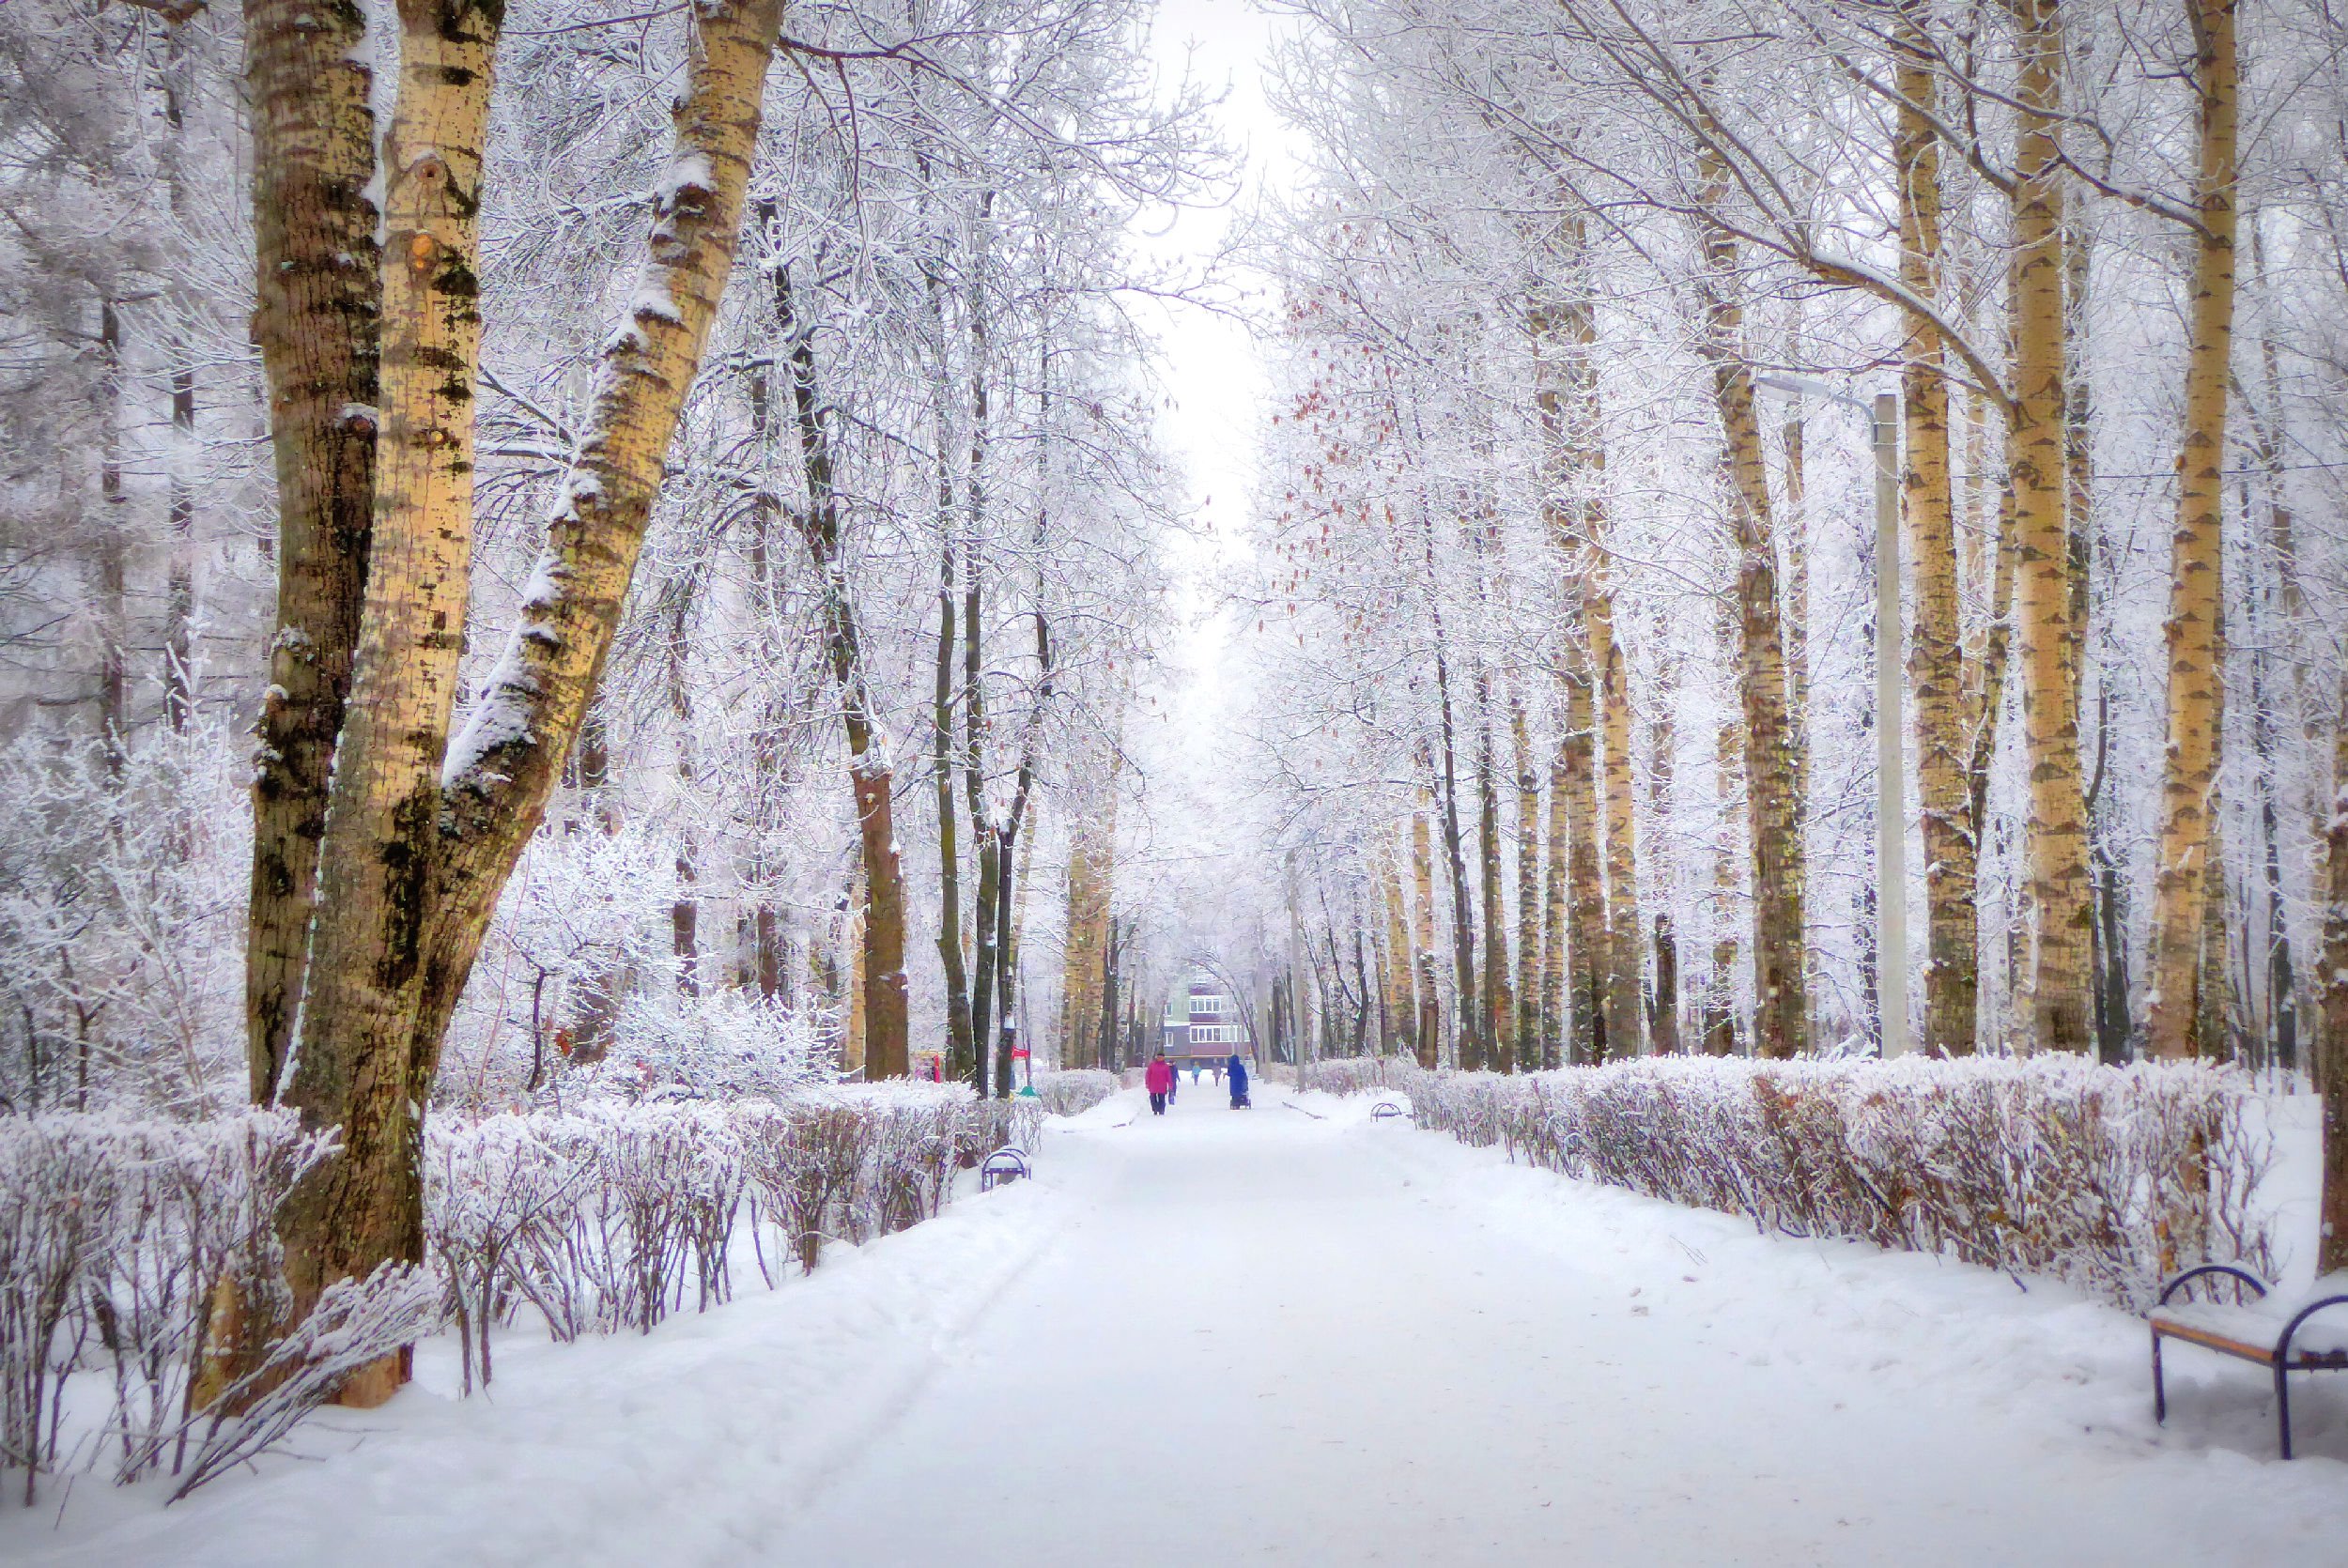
(1213, 374)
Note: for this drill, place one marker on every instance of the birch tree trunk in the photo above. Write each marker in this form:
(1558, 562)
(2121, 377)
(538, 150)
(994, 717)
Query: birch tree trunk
(2331, 1075)
(1624, 970)
(380, 859)
(1401, 958)
(2196, 552)
(507, 757)
(1428, 1037)
(1780, 956)
(307, 86)
(2056, 843)
(1935, 659)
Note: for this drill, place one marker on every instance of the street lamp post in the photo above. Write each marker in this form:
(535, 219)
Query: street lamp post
(1891, 725)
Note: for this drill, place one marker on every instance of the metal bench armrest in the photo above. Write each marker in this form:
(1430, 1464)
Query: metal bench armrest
(2283, 1346)
(2243, 1274)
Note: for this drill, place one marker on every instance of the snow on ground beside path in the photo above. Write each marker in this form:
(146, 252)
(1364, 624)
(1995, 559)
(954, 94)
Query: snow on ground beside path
(633, 1449)
(1294, 1335)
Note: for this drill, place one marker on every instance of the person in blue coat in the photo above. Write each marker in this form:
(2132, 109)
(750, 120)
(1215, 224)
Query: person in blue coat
(1235, 1073)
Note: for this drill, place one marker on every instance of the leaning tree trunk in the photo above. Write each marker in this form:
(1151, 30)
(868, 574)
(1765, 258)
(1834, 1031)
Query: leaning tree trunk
(1935, 660)
(2056, 843)
(307, 86)
(378, 861)
(2196, 552)
(505, 760)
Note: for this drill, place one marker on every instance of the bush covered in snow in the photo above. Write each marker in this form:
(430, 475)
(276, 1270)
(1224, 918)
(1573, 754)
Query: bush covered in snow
(117, 1240)
(121, 1241)
(611, 1216)
(1073, 1090)
(2110, 1177)
(1350, 1075)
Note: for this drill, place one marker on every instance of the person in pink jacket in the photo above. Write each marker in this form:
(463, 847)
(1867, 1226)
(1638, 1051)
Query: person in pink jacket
(1159, 1078)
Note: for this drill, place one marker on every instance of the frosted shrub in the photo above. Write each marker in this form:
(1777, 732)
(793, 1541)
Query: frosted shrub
(118, 1239)
(1072, 1090)
(124, 1244)
(612, 1216)
(2109, 1177)
(1348, 1075)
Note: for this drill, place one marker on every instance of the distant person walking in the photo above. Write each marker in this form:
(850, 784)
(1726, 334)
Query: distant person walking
(1159, 1079)
(1235, 1071)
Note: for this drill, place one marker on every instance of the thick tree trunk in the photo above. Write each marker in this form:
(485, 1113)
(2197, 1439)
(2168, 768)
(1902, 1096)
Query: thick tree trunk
(1782, 1011)
(2056, 843)
(378, 862)
(2332, 1061)
(307, 86)
(505, 760)
(2195, 672)
(1936, 657)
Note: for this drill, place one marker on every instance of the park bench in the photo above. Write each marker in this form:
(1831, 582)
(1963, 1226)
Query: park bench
(2273, 1333)
(1008, 1163)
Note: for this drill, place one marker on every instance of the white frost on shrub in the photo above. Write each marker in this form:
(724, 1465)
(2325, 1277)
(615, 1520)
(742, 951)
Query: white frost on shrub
(2109, 1177)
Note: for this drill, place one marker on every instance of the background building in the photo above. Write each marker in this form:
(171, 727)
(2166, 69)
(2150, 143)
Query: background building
(1203, 1024)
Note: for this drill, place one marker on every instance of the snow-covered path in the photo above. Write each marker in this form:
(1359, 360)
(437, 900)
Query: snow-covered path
(1268, 1339)
(1300, 1338)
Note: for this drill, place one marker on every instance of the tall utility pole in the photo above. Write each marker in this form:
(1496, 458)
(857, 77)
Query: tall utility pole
(1890, 728)
(1891, 731)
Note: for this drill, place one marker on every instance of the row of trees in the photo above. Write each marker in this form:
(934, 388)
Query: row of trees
(712, 538)
(1564, 600)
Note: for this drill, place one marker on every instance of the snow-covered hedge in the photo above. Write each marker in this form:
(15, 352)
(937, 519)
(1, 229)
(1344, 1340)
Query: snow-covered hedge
(612, 1216)
(1071, 1090)
(2110, 1177)
(120, 1240)
(1350, 1075)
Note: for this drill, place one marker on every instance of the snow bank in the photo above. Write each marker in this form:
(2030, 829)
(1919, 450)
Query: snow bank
(2107, 1177)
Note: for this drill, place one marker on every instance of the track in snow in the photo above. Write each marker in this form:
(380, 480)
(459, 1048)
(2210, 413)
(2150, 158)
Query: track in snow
(1265, 1338)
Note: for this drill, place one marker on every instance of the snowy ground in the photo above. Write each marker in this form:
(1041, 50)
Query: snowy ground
(1302, 1338)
